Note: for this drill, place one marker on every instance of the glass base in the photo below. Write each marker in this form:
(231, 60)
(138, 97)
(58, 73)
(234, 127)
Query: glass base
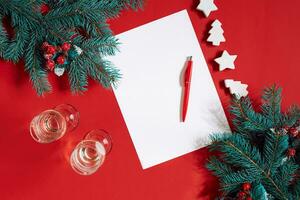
(101, 136)
(70, 114)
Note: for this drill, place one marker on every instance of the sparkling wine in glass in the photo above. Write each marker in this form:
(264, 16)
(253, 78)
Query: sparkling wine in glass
(91, 152)
(52, 124)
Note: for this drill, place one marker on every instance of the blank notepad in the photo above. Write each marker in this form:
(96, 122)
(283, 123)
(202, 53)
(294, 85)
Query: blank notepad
(151, 60)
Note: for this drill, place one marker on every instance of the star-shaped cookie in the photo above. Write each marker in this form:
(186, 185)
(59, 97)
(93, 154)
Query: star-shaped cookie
(226, 61)
(207, 6)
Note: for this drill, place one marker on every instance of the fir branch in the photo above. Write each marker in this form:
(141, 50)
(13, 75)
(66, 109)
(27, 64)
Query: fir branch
(66, 18)
(77, 76)
(38, 76)
(291, 117)
(273, 151)
(295, 189)
(3, 39)
(271, 107)
(246, 119)
(106, 45)
(284, 174)
(271, 164)
(237, 151)
(15, 48)
(219, 168)
(233, 181)
(101, 29)
(134, 4)
(86, 8)
(102, 71)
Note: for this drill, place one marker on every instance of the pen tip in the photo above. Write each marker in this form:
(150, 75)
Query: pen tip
(189, 58)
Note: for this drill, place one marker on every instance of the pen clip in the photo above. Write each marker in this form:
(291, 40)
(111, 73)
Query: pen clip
(188, 70)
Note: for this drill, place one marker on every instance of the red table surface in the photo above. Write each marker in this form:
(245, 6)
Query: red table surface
(263, 33)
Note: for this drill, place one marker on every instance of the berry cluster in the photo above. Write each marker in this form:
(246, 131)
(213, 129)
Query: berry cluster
(55, 54)
(244, 194)
(293, 132)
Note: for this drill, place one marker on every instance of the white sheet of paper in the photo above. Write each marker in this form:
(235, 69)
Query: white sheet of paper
(151, 60)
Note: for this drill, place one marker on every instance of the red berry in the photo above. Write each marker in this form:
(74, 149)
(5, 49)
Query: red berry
(51, 49)
(249, 198)
(291, 152)
(246, 186)
(45, 45)
(66, 46)
(293, 132)
(44, 9)
(60, 60)
(50, 64)
(242, 194)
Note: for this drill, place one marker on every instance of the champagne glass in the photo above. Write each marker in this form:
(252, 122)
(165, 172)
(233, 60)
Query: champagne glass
(52, 124)
(91, 152)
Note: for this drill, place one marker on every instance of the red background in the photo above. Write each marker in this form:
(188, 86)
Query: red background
(263, 33)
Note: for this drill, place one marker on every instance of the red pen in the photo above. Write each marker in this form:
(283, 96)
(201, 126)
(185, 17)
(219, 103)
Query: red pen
(187, 83)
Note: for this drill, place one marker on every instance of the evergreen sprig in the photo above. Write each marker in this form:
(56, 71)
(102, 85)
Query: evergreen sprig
(84, 18)
(263, 150)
